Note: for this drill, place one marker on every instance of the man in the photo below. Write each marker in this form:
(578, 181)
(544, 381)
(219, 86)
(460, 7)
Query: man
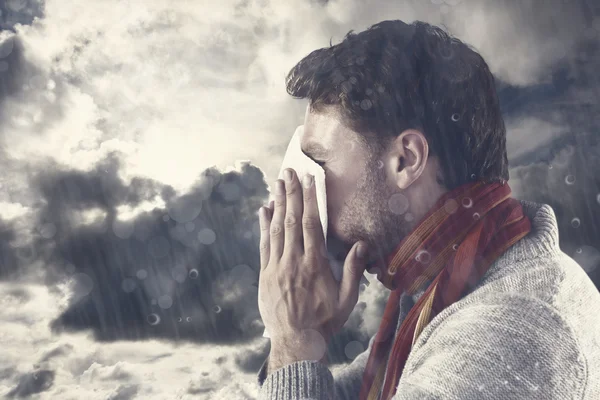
(484, 304)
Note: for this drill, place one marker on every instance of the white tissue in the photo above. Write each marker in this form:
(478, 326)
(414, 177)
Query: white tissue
(294, 158)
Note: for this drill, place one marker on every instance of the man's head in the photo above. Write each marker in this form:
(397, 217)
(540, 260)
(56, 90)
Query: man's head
(403, 114)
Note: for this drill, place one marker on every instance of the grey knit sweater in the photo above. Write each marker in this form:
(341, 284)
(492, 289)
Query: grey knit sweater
(529, 330)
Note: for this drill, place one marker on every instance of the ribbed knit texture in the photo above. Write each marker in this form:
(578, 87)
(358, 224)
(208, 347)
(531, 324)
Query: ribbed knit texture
(529, 330)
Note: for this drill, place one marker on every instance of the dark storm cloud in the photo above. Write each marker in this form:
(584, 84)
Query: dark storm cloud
(9, 262)
(32, 383)
(12, 64)
(17, 72)
(188, 270)
(568, 98)
(65, 191)
(561, 169)
(571, 185)
(14, 12)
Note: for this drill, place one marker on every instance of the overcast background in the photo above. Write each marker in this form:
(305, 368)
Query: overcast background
(139, 138)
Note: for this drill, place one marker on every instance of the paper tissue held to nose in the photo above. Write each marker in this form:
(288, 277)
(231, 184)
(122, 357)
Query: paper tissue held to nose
(294, 158)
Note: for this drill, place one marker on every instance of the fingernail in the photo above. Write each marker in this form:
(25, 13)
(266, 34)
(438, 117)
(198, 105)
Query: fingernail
(287, 174)
(361, 251)
(307, 181)
(279, 188)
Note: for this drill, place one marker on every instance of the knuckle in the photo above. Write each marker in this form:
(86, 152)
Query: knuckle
(311, 223)
(290, 220)
(281, 280)
(276, 230)
(310, 259)
(279, 203)
(291, 257)
(284, 277)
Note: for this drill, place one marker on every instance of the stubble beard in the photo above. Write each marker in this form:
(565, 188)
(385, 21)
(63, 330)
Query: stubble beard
(367, 216)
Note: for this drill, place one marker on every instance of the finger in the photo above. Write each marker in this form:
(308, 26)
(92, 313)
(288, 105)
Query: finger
(293, 212)
(272, 206)
(312, 230)
(264, 217)
(354, 268)
(277, 230)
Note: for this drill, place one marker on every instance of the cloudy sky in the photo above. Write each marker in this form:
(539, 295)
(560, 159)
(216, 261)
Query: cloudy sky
(139, 138)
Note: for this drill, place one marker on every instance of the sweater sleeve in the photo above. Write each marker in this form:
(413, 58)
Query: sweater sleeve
(312, 380)
(511, 347)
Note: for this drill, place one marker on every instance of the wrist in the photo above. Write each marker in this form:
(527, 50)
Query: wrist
(281, 356)
(307, 343)
(276, 362)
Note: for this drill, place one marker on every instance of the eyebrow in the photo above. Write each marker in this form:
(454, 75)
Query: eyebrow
(314, 150)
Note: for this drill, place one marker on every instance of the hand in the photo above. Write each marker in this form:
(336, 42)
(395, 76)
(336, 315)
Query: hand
(300, 302)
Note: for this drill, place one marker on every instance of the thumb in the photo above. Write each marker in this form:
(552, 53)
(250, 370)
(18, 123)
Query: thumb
(354, 268)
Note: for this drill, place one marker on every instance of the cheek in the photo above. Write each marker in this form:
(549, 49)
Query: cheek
(340, 195)
(332, 204)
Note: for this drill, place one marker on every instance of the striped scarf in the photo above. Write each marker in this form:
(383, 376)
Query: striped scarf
(452, 247)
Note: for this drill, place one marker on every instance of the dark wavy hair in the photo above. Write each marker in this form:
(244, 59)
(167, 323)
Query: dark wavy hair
(395, 76)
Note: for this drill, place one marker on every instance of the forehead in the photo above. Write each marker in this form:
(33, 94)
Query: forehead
(323, 131)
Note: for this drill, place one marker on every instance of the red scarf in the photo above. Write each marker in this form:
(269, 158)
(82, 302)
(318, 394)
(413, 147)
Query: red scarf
(453, 245)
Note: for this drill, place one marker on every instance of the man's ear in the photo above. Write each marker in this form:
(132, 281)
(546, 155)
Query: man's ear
(408, 157)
